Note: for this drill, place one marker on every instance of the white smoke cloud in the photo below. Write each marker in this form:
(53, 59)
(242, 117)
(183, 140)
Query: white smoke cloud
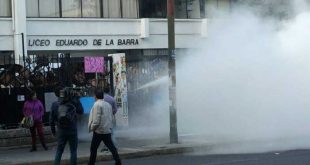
(249, 83)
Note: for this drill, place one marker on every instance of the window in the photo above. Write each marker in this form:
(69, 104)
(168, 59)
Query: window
(71, 8)
(188, 8)
(49, 8)
(91, 8)
(130, 8)
(223, 5)
(87, 8)
(5, 8)
(32, 7)
(42, 8)
(153, 9)
(212, 7)
(111, 8)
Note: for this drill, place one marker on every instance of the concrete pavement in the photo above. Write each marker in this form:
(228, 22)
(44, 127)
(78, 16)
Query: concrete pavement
(128, 148)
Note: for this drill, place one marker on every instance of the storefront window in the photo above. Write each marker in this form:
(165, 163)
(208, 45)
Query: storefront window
(5, 8)
(49, 8)
(71, 8)
(130, 8)
(153, 9)
(111, 8)
(91, 8)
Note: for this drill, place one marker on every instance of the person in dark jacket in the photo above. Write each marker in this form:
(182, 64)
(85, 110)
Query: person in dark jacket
(64, 115)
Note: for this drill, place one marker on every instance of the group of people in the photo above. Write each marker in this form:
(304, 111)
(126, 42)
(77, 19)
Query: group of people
(63, 116)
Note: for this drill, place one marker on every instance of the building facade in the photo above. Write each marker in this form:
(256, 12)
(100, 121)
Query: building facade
(124, 32)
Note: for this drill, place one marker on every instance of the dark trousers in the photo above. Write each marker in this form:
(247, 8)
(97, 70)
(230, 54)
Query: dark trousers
(106, 138)
(64, 136)
(38, 125)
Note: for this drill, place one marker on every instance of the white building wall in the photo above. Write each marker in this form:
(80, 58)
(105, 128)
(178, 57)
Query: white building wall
(44, 33)
(188, 33)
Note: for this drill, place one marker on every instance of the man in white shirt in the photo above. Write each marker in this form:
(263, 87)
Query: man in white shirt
(100, 123)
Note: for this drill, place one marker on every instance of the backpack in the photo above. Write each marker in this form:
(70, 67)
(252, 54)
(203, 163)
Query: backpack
(66, 115)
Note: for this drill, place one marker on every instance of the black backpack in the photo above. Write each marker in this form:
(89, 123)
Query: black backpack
(66, 115)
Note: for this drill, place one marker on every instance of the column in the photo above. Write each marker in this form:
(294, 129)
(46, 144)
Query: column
(19, 28)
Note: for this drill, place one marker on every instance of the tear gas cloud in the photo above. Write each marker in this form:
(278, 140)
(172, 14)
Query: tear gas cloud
(246, 89)
(249, 85)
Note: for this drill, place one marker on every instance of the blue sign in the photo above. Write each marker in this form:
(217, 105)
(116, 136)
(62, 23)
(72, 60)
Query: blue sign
(87, 103)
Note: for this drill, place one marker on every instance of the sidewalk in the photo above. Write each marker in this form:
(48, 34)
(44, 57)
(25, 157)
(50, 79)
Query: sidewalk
(128, 148)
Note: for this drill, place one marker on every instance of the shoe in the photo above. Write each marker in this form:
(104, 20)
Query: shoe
(33, 150)
(105, 149)
(45, 148)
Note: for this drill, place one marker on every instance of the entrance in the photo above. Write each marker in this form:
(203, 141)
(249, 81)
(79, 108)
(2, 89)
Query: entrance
(44, 72)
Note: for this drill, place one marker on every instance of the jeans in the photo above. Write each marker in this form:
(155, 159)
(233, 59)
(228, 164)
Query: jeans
(107, 140)
(64, 136)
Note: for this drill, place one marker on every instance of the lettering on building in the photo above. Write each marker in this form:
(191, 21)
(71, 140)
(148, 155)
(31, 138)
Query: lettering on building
(38, 42)
(82, 42)
(109, 42)
(70, 42)
(128, 42)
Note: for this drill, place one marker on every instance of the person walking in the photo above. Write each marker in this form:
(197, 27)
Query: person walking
(110, 99)
(64, 115)
(100, 123)
(34, 107)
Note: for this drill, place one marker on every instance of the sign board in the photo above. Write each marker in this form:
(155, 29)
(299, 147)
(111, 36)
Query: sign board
(87, 103)
(94, 64)
(49, 98)
(20, 97)
(82, 43)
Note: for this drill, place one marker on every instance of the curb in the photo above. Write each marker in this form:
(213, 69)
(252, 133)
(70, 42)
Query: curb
(138, 153)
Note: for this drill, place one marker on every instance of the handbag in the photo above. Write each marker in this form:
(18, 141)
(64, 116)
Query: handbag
(27, 122)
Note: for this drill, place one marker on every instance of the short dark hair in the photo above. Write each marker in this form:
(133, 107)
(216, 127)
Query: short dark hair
(31, 94)
(57, 90)
(106, 90)
(66, 94)
(99, 93)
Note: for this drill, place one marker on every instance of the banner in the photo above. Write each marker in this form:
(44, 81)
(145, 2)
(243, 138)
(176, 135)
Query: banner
(94, 64)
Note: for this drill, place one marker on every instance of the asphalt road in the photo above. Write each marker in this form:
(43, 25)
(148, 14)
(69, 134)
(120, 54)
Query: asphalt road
(296, 157)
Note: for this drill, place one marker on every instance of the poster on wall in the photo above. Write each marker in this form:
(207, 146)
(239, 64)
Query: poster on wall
(120, 84)
(94, 64)
(49, 98)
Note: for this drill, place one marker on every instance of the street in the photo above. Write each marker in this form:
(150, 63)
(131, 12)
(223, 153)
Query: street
(295, 157)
